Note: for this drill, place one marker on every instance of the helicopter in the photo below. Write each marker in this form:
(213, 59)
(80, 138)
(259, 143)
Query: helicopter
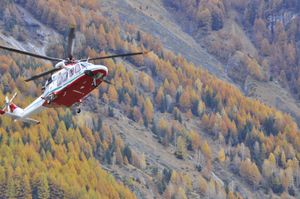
(69, 83)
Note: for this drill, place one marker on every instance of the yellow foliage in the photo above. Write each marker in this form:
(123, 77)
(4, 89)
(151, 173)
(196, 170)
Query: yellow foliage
(206, 150)
(250, 171)
(112, 94)
(221, 155)
(272, 159)
(148, 110)
(196, 140)
(202, 185)
(185, 100)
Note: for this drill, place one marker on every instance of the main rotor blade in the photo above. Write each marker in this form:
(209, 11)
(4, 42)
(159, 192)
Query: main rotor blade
(13, 97)
(114, 56)
(43, 74)
(30, 54)
(70, 46)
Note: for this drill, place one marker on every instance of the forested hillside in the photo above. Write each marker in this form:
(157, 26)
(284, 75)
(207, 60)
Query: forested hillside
(182, 106)
(272, 26)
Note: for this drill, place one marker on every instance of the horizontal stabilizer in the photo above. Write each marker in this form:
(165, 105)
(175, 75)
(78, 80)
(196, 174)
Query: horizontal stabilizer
(30, 121)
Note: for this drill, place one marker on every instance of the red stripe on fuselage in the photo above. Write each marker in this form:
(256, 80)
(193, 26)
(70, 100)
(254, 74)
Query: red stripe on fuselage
(12, 107)
(75, 91)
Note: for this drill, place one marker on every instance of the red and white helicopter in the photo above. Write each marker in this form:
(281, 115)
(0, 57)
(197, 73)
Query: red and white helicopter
(70, 81)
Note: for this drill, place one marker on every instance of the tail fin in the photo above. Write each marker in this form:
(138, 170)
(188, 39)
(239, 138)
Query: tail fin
(11, 109)
(15, 112)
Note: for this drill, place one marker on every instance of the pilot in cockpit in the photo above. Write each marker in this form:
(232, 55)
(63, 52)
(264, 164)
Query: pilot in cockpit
(48, 81)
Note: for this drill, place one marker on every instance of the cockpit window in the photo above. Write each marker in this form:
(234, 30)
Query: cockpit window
(71, 72)
(54, 77)
(62, 78)
(59, 79)
(84, 65)
(65, 76)
(49, 81)
(77, 68)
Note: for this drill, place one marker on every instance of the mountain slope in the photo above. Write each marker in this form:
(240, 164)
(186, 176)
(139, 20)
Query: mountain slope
(180, 34)
(173, 130)
(152, 17)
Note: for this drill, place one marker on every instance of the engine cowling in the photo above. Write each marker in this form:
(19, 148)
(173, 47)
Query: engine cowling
(60, 65)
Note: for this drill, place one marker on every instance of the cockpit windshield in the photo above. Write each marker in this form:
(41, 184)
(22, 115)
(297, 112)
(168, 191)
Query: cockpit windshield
(77, 68)
(49, 81)
(62, 78)
(84, 65)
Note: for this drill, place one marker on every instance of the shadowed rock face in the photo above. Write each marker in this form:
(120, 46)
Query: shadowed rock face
(38, 36)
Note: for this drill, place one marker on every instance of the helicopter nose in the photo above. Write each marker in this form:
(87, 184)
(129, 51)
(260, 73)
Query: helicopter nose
(106, 70)
(103, 68)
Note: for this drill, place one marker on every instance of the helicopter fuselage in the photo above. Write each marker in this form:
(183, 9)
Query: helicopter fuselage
(73, 83)
(68, 87)
(70, 82)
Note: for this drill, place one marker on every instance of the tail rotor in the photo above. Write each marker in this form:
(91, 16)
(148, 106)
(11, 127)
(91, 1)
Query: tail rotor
(13, 97)
(7, 106)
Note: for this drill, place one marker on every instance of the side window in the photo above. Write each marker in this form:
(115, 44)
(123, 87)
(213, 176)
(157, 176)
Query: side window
(64, 76)
(77, 68)
(59, 79)
(71, 72)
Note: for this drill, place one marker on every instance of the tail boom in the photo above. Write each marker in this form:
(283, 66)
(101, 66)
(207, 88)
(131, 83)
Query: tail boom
(17, 113)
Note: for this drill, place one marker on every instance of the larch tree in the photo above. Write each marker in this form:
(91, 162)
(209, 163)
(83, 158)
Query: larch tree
(181, 151)
(202, 185)
(159, 96)
(11, 188)
(101, 37)
(206, 150)
(43, 188)
(184, 100)
(196, 140)
(26, 188)
(3, 183)
(221, 156)
(250, 171)
(148, 111)
(112, 94)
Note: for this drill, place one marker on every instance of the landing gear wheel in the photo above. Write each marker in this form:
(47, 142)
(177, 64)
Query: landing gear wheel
(78, 110)
(94, 82)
